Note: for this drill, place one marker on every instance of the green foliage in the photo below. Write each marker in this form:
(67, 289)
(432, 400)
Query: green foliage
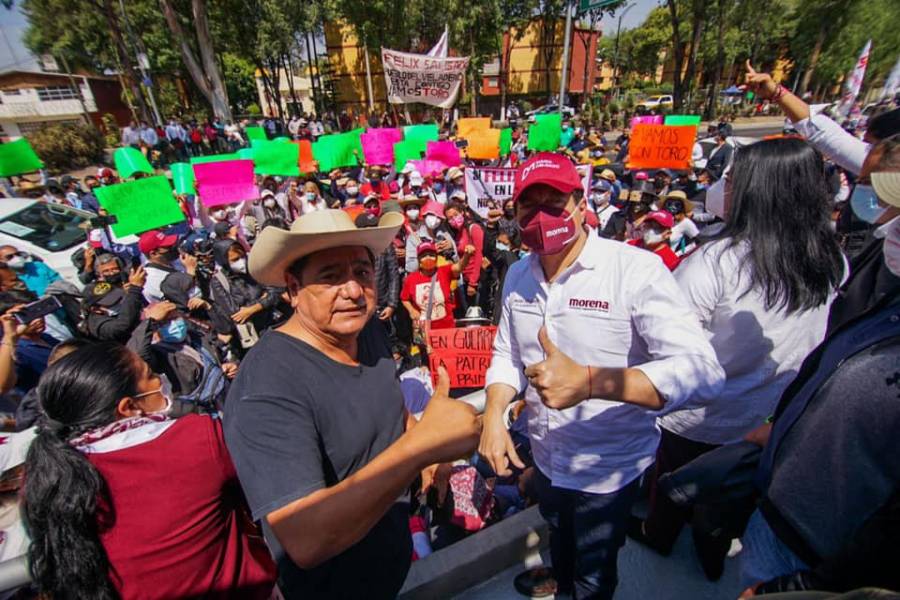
(111, 136)
(254, 110)
(68, 146)
(240, 81)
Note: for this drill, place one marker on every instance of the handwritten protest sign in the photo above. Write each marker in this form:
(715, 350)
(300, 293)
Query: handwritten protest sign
(422, 78)
(183, 178)
(276, 158)
(647, 120)
(335, 150)
(485, 186)
(245, 153)
(444, 152)
(464, 351)
(197, 160)
(428, 167)
(256, 133)
(661, 147)
(404, 152)
(140, 205)
(682, 120)
(225, 182)
(420, 135)
(18, 157)
(129, 161)
(378, 145)
(307, 162)
(544, 133)
(484, 144)
(467, 125)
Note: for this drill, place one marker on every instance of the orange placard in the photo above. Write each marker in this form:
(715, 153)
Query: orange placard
(306, 161)
(469, 125)
(484, 144)
(464, 351)
(661, 146)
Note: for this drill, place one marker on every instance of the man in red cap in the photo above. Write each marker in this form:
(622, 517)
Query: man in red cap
(161, 253)
(655, 230)
(586, 333)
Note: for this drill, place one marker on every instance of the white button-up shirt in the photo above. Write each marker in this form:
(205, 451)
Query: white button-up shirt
(826, 136)
(617, 306)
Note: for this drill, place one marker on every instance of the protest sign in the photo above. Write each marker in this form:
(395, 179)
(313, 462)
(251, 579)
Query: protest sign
(661, 147)
(197, 160)
(256, 133)
(307, 162)
(129, 161)
(485, 185)
(245, 153)
(682, 120)
(276, 158)
(140, 205)
(647, 120)
(282, 139)
(464, 351)
(484, 144)
(404, 152)
(566, 136)
(420, 135)
(335, 150)
(427, 167)
(444, 152)
(18, 157)
(467, 125)
(183, 178)
(422, 78)
(225, 182)
(505, 141)
(544, 133)
(378, 145)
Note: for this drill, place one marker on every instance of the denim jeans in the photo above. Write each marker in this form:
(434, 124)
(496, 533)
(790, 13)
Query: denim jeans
(586, 532)
(764, 557)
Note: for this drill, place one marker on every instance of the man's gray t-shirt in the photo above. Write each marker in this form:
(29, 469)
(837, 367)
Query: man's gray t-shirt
(296, 422)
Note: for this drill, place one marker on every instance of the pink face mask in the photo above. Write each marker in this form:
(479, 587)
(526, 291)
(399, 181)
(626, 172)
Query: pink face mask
(457, 222)
(548, 230)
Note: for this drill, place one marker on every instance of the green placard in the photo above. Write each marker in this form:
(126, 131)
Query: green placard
(214, 158)
(256, 133)
(505, 141)
(420, 135)
(183, 178)
(276, 158)
(140, 205)
(18, 157)
(282, 139)
(336, 150)
(245, 153)
(682, 120)
(129, 161)
(545, 132)
(404, 152)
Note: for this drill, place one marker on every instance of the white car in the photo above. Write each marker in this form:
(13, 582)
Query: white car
(654, 103)
(52, 232)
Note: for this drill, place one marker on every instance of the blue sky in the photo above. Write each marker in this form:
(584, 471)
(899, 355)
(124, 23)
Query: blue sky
(633, 17)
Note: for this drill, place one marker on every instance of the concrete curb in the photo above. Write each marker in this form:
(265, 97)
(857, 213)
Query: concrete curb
(476, 558)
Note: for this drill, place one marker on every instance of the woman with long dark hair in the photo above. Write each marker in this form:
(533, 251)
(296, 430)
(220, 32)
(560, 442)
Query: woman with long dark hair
(121, 501)
(762, 290)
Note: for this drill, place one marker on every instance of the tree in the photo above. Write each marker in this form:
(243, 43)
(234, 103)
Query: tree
(205, 72)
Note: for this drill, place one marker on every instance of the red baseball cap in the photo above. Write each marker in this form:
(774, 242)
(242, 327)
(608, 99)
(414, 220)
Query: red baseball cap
(426, 246)
(548, 168)
(154, 240)
(663, 217)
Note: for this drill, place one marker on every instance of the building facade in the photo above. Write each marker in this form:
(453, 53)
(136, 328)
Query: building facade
(302, 92)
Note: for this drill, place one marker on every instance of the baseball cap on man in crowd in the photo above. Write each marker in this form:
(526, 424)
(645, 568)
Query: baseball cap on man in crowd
(547, 168)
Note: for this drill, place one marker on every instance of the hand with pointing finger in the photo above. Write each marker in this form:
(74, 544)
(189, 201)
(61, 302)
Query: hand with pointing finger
(761, 84)
(559, 381)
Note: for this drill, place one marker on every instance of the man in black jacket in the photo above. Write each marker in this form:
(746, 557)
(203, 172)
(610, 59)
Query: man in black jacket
(111, 307)
(720, 157)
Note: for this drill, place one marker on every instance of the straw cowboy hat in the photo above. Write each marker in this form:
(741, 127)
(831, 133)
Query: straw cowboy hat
(276, 249)
(680, 195)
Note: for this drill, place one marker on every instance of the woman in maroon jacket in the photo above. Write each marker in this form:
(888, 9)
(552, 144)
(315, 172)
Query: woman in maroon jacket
(123, 502)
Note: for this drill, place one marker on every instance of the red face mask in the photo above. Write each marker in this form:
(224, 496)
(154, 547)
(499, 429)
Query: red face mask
(547, 230)
(374, 210)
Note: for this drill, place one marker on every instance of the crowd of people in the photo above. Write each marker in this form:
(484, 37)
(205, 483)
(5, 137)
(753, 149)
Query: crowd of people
(241, 404)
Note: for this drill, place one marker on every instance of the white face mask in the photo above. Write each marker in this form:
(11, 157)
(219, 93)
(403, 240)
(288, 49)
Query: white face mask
(715, 199)
(413, 214)
(269, 202)
(17, 262)
(432, 221)
(352, 191)
(651, 237)
(239, 265)
(219, 215)
(892, 248)
(165, 390)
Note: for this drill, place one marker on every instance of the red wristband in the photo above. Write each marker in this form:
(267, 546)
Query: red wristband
(590, 383)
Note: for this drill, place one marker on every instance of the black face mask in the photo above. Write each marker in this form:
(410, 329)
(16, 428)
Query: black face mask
(674, 207)
(170, 255)
(116, 278)
(509, 213)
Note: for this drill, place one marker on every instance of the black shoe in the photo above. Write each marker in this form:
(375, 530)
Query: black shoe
(711, 550)
(637, 532)
(539, 582)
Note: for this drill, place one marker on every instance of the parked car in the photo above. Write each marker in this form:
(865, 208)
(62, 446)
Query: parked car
(51, 232)
(654, 104)
(551, 107)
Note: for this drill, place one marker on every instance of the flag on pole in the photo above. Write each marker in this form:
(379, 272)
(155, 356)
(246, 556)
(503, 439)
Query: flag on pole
(440, 49)
(854, 82)
(892, 83)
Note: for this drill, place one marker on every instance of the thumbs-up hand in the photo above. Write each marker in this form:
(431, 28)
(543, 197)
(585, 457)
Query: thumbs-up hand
(761, 84)
(559, 381)
(449, 429)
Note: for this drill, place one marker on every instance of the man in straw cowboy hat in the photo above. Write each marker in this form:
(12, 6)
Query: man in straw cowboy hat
(315, 422)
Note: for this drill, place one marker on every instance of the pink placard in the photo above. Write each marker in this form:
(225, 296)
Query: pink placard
(225, 182)
(378, 145)
(445, 152)
(428, 167)
(647, 120)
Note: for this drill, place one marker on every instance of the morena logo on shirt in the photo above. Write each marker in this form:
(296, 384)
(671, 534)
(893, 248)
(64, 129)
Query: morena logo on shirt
(588, 304)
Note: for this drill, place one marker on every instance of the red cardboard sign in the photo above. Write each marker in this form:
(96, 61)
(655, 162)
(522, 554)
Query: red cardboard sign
(464, 351)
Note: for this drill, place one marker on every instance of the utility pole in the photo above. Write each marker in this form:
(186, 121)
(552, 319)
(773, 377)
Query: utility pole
(369, 80)
(143, 64)
(616, 53)
(564, 76)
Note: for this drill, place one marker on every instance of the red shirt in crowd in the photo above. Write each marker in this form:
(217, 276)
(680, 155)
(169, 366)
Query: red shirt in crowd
(178, 525)
(417, 287)
(668, 256)
(381, 189)
(471, 234)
